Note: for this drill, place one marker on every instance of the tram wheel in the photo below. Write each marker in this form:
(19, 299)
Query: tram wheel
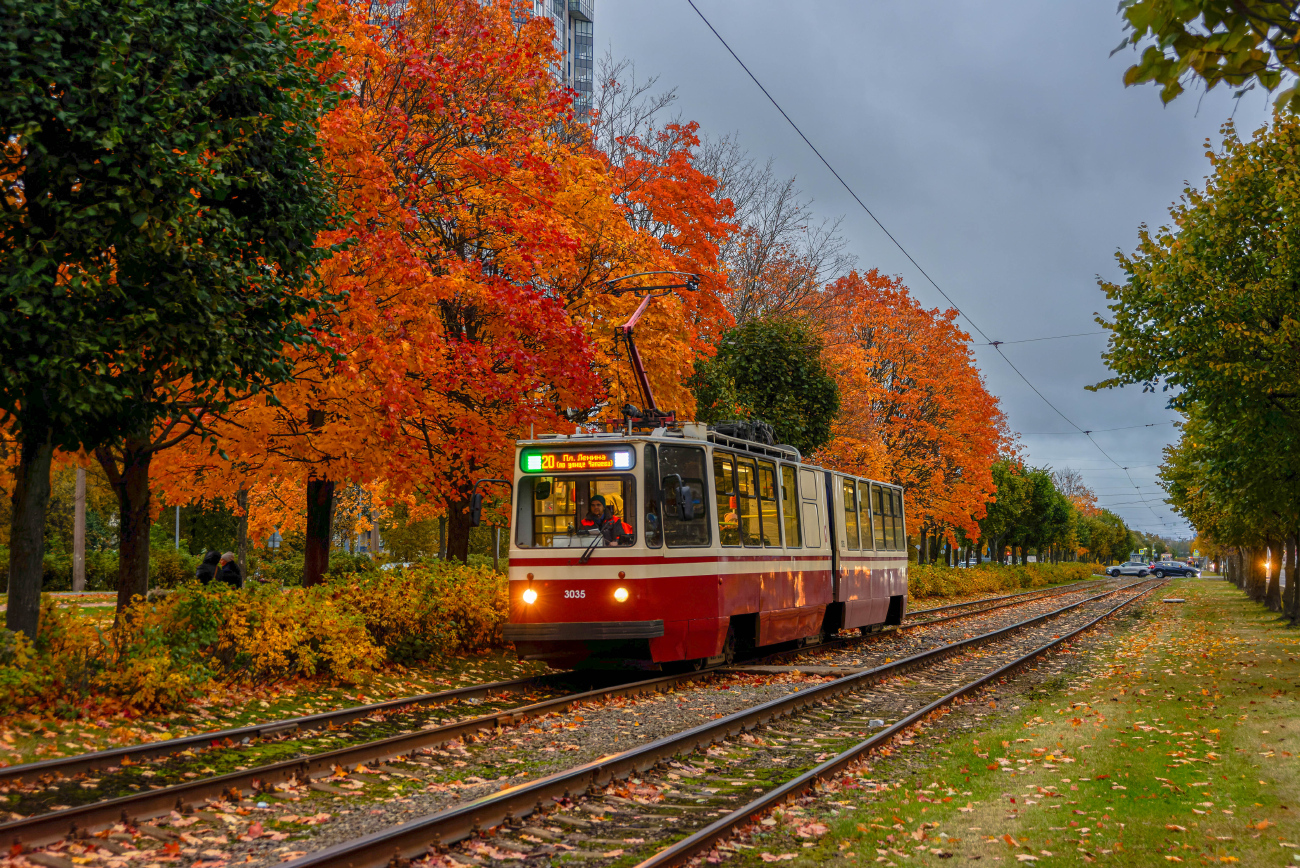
(729, 647)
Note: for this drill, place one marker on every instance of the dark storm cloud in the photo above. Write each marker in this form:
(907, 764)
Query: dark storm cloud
(997, 143)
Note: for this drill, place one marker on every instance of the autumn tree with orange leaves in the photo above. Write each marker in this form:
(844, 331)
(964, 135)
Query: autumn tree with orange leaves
(484, 226)
(914, 409)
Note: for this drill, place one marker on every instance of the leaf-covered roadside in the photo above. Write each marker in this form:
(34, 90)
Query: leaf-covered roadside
(1173, 743)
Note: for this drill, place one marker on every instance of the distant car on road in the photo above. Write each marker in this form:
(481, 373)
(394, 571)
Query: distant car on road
(1130, 568)
(1161, 569)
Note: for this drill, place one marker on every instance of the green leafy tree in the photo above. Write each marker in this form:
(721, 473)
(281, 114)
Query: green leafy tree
(1005, 510)
(1208, 312)
(162, 195)
(1240, 43)
(770, 370)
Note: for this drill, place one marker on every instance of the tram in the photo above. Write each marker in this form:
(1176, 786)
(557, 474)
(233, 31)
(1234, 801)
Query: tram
(676, 545)
(721, 545)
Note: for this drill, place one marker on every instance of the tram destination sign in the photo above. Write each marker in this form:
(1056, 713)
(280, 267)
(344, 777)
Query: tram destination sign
(575, 460)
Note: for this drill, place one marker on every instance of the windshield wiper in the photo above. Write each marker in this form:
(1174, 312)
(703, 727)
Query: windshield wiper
(586, 556)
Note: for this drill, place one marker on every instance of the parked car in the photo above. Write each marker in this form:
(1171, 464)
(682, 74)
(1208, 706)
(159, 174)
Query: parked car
(1173, 568)
(1130, 568)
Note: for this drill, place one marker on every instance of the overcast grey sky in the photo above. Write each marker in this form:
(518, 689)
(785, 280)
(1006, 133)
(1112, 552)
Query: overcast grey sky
(997, 142)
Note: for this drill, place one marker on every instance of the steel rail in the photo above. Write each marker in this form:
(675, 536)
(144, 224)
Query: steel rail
(67, 766)
(693, 845)
(457, 823)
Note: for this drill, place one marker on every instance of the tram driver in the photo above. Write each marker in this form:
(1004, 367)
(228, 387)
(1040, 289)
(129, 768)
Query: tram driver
(600, 518)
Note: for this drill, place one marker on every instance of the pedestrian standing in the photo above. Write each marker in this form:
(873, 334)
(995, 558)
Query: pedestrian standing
(207, 570)
(230, 572)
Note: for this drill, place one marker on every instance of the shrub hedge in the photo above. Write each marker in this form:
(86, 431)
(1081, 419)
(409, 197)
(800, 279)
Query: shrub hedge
(168, 650)
(928, 580)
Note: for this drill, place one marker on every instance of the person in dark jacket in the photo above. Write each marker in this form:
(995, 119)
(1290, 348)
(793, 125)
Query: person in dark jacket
(602, 519)
(230, 572)
(207, 570)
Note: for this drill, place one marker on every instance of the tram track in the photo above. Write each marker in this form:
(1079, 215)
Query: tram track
(933, 616)
(531, 819)
(45, 828)
(69, 767)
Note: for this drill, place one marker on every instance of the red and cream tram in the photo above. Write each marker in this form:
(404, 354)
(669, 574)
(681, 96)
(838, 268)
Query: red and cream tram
(682, 545)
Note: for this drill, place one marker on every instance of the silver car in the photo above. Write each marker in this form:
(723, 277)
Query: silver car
(1130, 568)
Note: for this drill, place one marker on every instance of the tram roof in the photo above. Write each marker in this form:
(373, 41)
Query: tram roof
(687, 433)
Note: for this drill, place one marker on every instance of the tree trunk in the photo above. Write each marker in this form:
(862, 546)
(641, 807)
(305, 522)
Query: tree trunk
(79, 533)
(241, 531)
(1254, 574)
(320, 515)
(1273, 594)
(458, 530)
(1292, 580)
(131, 484)
(979, 552)
(30, 498)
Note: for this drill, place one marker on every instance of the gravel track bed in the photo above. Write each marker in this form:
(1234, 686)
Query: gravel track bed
(630, 820)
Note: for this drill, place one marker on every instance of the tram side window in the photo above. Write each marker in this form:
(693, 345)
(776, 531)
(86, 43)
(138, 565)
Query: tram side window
(790, 506)
(724, 492)
(687, 464)
(810, 485)
(654, 535)
(900, 535)
(850, 512)
(770, 519)
(865, 504)
(883, 523)
(747, 490)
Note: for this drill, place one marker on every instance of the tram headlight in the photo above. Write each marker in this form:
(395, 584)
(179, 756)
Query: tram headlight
(620, 594)
(530, 596)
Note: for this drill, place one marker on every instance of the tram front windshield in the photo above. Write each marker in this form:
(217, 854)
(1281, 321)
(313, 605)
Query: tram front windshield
(572, 511)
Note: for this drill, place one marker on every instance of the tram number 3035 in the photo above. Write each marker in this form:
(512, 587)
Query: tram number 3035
(575, 595)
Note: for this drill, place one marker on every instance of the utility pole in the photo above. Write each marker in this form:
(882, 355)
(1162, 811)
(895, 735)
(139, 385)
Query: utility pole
(178, 527)
(79, 534)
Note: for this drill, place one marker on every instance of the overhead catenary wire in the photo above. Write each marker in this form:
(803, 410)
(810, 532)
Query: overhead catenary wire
(1048, 338)
(997, 345)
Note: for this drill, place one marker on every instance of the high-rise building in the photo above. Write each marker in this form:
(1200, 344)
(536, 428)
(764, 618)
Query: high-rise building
(575, 40)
